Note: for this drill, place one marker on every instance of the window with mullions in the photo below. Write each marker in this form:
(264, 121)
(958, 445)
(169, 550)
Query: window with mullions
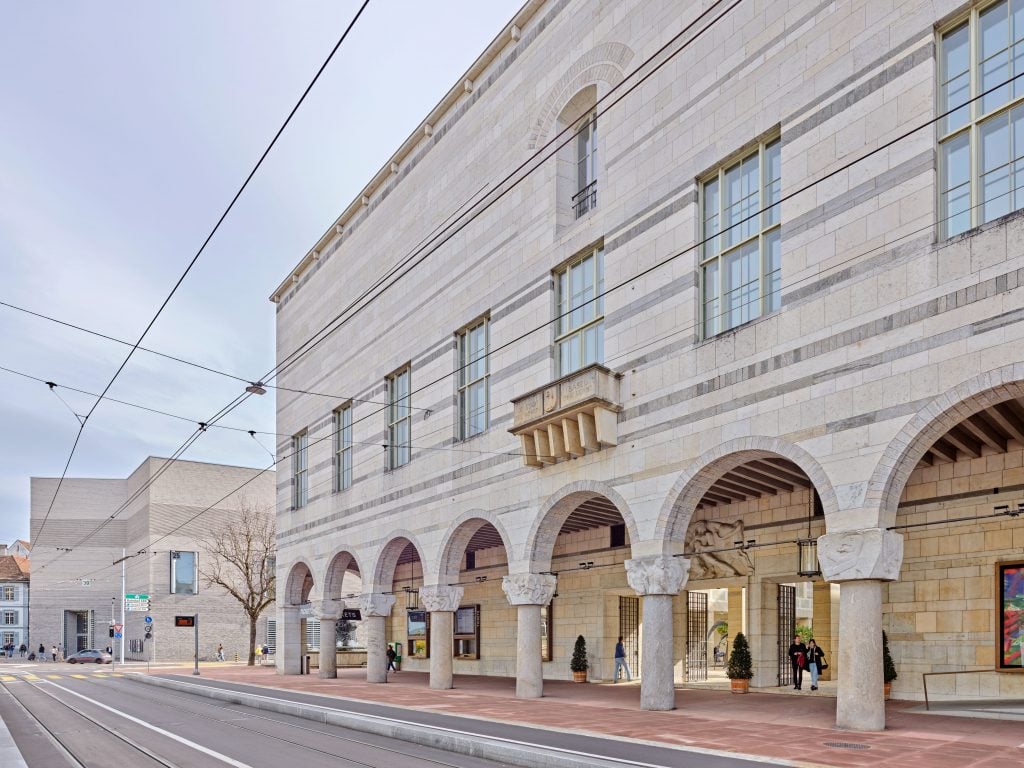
(10, 593)
(300, 470)
(741, 259)
(473, 384)
(10, 617)
(343, 448)
(184, 573)
(981, 143)
(399, 419)
(585, 198)
(579, 332)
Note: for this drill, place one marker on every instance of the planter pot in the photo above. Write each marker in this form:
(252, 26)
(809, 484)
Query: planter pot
(887, 688)
(579, 677)
(740, 686)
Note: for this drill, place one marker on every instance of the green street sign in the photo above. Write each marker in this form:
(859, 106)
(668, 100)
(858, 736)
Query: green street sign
(136, 597)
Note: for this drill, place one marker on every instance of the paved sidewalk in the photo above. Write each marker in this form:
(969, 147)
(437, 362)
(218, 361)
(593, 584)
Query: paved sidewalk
(792, 727)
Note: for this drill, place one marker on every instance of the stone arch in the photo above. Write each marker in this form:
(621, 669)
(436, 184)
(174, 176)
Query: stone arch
(605, 63)
(947, 410)
(387, 560)
(458, 536)
(338, 564)
(299, 582)
(689, 489)
(556, 510)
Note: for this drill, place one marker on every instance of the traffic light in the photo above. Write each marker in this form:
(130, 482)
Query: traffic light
(111, 630)
(149, 632)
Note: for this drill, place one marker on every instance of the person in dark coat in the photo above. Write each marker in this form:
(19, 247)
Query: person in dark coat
(815, 659)
(392, 655)
(798, 658)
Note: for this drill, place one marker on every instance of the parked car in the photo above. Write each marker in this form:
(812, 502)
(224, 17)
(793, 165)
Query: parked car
(90, 656)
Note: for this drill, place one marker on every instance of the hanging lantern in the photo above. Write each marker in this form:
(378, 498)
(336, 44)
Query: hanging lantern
(808, 558)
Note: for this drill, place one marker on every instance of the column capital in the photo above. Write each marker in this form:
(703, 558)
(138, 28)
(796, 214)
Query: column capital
(657, 575)
(529, 588)
(868, 554)
(373, 604)
(327, 610)
(440, 598)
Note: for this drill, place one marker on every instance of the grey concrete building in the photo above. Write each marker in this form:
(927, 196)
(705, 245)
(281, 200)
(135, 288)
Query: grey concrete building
(76, 589)
(753, 289)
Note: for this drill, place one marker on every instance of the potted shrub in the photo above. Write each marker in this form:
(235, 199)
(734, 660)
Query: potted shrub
(888, 668)
(578, 664)
(741, 666)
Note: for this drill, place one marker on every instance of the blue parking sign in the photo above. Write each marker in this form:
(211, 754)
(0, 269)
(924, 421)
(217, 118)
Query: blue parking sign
(117, 635)
(149, 619)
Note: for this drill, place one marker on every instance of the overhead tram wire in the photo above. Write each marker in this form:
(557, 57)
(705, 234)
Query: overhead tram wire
(192, 262)
(695, 246)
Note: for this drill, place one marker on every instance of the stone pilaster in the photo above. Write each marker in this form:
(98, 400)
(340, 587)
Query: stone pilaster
(328, 612)
(375, 609)
(441, 601)
(289, 640)
(529, 592)
(860, 561)
(657, 580)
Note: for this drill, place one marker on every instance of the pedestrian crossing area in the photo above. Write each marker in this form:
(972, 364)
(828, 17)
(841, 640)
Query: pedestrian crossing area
(38, 675)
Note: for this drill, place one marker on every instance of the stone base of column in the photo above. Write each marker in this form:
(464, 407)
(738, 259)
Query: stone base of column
(860, 705)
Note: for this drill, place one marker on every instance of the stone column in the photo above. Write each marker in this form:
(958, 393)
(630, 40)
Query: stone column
(860, 561)
(763, 632)
(441, 601)
(821, 623)
(657, 580)
(529, 592)
(375, 609)
(736, 617)
(289, 640)
(327, 613)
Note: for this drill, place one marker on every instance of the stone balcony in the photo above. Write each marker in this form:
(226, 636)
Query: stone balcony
(569, 417)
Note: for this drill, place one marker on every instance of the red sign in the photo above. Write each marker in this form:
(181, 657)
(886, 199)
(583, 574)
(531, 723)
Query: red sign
(118, 627)
(184, 621)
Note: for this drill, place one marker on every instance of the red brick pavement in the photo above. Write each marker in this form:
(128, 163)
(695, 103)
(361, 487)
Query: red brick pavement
(793, 727)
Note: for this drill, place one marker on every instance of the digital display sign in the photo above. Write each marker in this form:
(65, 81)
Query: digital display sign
(184, 621)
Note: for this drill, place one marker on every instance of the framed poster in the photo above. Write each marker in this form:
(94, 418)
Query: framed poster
(418, 633)
(1009, 616)
(467, 632)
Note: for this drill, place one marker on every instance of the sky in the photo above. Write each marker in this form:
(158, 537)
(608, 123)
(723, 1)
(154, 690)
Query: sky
(125, 129)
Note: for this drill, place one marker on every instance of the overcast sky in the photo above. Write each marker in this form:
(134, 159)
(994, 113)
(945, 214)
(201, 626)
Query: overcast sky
(125, 128)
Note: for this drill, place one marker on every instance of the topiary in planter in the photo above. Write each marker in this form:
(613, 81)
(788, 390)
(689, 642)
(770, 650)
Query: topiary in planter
(888, 668)
(578, 664)
(741, 667)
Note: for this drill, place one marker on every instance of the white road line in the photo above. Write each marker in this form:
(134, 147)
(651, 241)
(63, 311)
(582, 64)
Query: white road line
(161, 731)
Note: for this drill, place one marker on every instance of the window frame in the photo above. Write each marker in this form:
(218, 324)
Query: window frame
(971, 18)
(12, 591)
(342, 446)
(12, 615)
(175, 557)
(564, 310)
(464, 385)
(395, 419)
(713, 251)
(300, 469)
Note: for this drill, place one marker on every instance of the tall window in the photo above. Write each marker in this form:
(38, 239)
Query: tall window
(300, 470)
(741, 261)
(10, 617)
(579, 331)
(586, 167)
(10, 593)
(399, 419)
(981, 144)
(473, 386)
(343, 448)
(184, 574)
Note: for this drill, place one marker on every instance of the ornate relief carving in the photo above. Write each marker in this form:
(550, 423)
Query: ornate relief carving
(440, 598)
(707, 536)
(660, 575)
(866, 554)
(529, 588)
(376, 605)
(327, 610)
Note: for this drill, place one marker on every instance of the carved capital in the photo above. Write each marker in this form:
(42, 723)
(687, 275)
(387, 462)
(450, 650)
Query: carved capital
(327, 610)
(529, 588)
(857, 555)
(659, 575)
(376, 605)
(441, 598)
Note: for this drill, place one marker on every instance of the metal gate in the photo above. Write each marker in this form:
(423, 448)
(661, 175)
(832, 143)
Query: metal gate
(787, 628)
(629, 631)
(696, 637)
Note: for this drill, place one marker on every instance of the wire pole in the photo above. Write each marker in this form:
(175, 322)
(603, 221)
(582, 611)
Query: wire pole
(123, 558)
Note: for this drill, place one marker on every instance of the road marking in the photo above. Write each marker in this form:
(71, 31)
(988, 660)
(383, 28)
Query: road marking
(155, 729)
(55, 677)
(98, 674)
(30, 676)
(80, 677)
(8, 678)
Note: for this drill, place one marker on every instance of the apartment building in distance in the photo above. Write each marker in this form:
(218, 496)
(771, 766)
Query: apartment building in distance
(738, 347)
(160, 517)
(14, 588)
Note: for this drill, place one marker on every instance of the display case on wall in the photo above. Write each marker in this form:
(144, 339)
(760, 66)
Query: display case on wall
(547, 635)
(467, 632)
(1010, 616)
(418, 633)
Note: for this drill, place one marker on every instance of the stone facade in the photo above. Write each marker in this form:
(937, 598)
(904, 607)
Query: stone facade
(75, 591)
(886, 337)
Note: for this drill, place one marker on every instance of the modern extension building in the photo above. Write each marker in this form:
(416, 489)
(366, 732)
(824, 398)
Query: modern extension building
(14, 589)
(674, 320)
(161, 518)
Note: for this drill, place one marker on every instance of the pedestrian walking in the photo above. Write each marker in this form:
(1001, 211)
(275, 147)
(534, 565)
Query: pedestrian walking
(23, 650)
(621, 663)
(798, 659)
(42, 652)
(220, 652)
(392, 655)
(815, 662)
(259, 655)
(53, 652)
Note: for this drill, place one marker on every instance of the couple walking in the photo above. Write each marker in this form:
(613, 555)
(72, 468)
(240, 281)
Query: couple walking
(809, 657)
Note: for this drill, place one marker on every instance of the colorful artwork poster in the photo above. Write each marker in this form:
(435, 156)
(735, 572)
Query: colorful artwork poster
(1011, 615)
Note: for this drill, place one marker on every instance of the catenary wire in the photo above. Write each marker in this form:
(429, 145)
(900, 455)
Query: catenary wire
(194, 259)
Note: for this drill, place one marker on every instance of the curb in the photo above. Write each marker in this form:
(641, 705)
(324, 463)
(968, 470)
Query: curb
(461, 742)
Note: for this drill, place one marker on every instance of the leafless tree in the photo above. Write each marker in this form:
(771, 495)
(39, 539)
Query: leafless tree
(241, 561)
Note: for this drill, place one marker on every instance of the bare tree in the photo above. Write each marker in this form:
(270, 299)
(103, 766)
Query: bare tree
(241, 561)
